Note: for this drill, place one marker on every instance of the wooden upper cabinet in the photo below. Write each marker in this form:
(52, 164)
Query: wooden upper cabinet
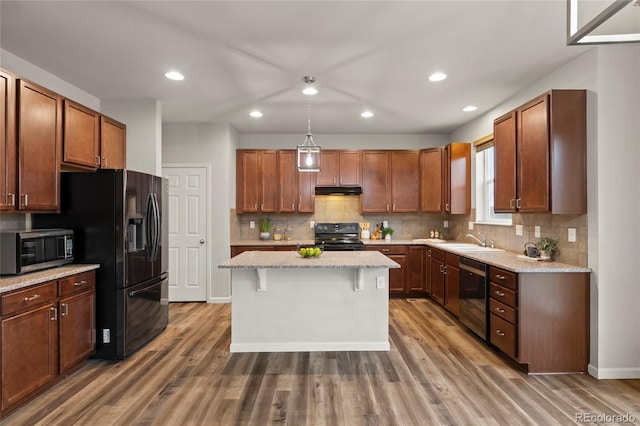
(81, 137)
(247, 181)
(548, 141)
(405, 181)
(39, 147)
(505, 160)
(457, 178)
(431, 180)
(113, 144)
(287, 181)
(268, 181)
(306, 192)
(376, 180)
(8, 165)
(339, 168)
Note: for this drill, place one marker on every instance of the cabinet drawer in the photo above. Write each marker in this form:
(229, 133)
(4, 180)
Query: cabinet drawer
(437, 254)
(502, 294)
(502, 334)
(29, 297)
(452, 259)
(502, 277)
(77, 283)
(503, 311)
(387, 250)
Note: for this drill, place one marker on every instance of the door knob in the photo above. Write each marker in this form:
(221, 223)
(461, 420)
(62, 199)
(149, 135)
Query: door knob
(202, 241)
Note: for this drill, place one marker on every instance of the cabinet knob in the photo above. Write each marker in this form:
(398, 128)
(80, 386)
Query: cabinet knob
(500, 333)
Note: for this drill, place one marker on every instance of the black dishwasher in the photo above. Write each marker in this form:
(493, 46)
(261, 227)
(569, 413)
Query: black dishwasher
(473, 296)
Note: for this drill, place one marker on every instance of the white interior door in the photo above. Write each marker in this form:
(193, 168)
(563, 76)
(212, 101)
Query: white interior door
(188, 245)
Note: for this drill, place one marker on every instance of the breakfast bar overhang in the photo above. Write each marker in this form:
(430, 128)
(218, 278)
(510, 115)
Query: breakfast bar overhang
(282, 302)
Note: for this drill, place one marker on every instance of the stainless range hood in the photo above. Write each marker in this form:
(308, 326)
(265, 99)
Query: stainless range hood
(338, 190)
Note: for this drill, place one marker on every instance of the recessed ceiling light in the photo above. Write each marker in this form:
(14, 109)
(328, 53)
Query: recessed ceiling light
(366, 114)
(470, 108)
(437, 76)
(255, 114)
(174, 75)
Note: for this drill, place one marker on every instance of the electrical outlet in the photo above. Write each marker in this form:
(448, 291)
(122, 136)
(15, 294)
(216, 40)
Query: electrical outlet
(470, 226)
(519, 231)
(106, 335)
(385, 223)
(252, 224)
(571, 235)
(312, 223)
(536, 231)
(446, 224)
(380, 283)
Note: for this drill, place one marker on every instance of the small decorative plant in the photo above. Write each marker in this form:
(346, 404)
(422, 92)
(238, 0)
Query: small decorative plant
(387, 233)
(264, 224)
(547, 247)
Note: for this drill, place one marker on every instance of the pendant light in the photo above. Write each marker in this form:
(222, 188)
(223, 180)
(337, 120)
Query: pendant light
(309, 153)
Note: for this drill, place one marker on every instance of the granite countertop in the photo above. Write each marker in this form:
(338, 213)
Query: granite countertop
(502, 259)
(292, 260)
(16, 282)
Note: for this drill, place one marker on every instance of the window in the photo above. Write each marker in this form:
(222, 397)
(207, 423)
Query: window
(484, 188)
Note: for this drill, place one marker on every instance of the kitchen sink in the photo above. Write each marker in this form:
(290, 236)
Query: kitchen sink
(468, 247)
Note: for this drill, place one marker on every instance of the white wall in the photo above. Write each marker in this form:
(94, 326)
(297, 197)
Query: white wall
(143, 118)
(348, 141)
(609, 73)
(27, 70)
(212, 144)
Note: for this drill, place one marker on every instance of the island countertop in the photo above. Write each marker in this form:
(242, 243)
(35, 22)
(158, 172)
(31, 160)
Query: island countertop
(292, 260)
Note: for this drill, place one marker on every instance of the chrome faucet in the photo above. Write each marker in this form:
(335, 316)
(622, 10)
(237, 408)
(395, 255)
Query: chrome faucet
(482, 242)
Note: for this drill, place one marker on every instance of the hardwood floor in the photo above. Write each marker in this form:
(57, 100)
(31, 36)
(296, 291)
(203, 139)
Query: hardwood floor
(435, 374)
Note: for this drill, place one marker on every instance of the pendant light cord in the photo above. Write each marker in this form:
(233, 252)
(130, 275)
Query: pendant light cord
(309, 114)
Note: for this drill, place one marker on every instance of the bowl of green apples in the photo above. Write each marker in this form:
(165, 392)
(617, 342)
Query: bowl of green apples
(309, 252)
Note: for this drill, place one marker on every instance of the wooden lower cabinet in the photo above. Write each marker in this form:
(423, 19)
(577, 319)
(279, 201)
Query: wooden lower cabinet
(44, 335)
(452, 284)
(397, 276)
(236, 250)
(416, 269)
(437, 275)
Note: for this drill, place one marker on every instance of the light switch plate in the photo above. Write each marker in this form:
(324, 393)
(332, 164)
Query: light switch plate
(312, 223)
(571, 235)
(252, 224)
(446, 224)
(536, 231)
(519, 230)
(470, 226)
(385, 223)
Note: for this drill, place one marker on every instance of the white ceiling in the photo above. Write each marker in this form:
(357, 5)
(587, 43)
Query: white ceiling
(240, 55)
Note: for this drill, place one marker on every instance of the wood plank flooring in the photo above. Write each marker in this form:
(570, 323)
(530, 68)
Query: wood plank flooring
(435, 374)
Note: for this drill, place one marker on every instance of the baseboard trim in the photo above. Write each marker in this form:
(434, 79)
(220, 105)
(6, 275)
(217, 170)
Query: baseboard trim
(614, 373)
(310, 346)
(220, 299)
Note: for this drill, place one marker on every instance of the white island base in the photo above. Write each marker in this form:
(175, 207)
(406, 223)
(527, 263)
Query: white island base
(285, 303)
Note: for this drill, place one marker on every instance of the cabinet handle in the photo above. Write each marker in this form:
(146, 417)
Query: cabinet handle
(429, 253)
(293, 206)
(500, 293)
(444, 269)
(385, 250)
(500, 310)
(446, 207)
(34, 297)
(104, 162)
(439, 206)
(55, 314)
(262, 206)
(255, 206)
(387, 207)
(13, 199)
(394, 207)
(512, 203)
(83, 282)
(500, 333)
(500, 277)
(518, 203)
(26, 199)
(64, 310)
(98, 161)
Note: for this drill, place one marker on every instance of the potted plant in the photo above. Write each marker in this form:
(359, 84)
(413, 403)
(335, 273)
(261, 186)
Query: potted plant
(547, 246)
(387, 233)
(265, 228)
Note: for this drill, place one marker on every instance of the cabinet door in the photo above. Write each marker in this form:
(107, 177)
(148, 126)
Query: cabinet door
(431, 180)
(328, 174)
(452, 290)
(437, 280)
(113, 144)
(29, 353)
(398, 276)
(349, 168)
(375, 182)
(7, 142)
(81, 141)
(77, 329)
(39, 135)
(415, 269)
(533, 163)
(268, 181)
(247, 181)
(458, 178)
(504, 143)
(288, 181)
(405, 181)
(306, 192)
(428, 267)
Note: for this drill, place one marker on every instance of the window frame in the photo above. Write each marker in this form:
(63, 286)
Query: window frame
(484, 179)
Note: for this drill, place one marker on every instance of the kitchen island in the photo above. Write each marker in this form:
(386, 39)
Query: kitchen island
(282, 302)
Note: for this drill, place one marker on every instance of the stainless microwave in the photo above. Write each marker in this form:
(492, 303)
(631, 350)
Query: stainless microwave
(27, 251)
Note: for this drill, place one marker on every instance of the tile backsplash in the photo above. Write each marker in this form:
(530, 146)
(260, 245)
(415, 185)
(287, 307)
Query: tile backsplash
(337, 208)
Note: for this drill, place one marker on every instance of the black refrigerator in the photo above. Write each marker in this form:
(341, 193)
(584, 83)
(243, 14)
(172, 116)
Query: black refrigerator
(119, 222)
